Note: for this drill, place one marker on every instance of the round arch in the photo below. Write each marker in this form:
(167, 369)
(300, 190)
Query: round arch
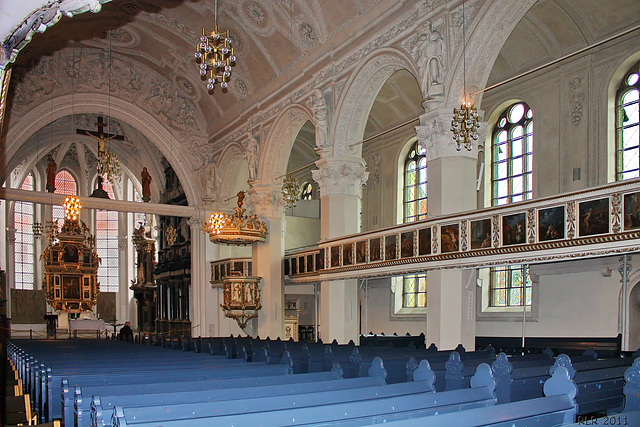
(280, 140)
(488, 32)
(359, 95)
(21, 130)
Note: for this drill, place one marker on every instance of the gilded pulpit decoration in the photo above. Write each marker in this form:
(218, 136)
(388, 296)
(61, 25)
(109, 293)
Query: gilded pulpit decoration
(71, 262)
(236, 229)
(241, 297)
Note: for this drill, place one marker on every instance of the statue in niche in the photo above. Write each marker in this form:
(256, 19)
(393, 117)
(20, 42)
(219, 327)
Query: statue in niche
(52, 169)
(319, 106)
(251, 154)
(146, 182)
(429, 54)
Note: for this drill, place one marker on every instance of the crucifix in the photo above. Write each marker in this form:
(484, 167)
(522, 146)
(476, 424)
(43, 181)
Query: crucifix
(102, 138)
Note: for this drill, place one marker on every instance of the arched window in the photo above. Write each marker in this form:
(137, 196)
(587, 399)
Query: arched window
(23, 218)
(65, 184)
(307, 191)
(627, 127)
(107, 245)
(415, 184)
(512, 156)
(511, 181)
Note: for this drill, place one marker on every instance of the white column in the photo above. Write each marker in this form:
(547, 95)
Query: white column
(451, 189)
(199, 276)
(340, 180)
(122, 296)
(267, 260)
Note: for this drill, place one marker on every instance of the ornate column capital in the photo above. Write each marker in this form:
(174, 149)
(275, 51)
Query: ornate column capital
(340, 175)
(266, 201)
(434, 134)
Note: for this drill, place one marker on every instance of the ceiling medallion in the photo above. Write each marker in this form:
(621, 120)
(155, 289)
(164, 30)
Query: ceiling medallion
(215, 56)
(236, 229)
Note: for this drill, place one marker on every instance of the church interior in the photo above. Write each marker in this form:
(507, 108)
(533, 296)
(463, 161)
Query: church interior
(321, 170)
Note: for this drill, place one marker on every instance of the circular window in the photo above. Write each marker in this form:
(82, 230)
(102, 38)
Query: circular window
(633, 79)
(516, 113)
(307, 191)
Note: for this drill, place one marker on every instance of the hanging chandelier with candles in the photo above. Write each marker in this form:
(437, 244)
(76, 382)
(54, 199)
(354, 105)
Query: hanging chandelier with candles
(236, 229)
(290, 191)
(464, 124)
(215, 55)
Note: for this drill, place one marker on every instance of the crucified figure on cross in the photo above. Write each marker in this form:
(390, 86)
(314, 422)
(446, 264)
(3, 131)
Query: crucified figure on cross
(100, 135)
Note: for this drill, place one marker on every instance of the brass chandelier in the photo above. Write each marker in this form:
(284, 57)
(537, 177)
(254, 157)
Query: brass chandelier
(215, 55)
(290, 192)
(236, 229)
(464, 124)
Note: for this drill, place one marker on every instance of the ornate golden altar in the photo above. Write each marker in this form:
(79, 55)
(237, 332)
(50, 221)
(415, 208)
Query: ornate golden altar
(71, 262)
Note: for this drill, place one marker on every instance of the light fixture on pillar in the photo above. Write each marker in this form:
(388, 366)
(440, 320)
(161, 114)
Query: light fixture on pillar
(290, 191)
(215, 55)
(236, 229)
(464, 124)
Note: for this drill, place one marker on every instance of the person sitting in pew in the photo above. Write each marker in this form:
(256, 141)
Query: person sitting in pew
(126, 333)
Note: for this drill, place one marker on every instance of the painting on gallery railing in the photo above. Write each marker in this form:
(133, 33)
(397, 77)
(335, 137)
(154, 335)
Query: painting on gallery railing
(598, 221)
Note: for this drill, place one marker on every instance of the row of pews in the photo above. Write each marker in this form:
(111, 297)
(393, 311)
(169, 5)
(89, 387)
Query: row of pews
(243, 381)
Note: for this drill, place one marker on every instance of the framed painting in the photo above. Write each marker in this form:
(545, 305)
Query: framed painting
(513, 229)
(631, 211)
(320, 260)
(335, 256)
(481, 234)
(449, 238)
(361, 252)
(301, 265)
(551, 224)
(310, 263)
(374, 249)
(294, 266)
(70, 287)
(390, 246)
(406, 244)
(347, 254)
(424, 241)
(594, 217)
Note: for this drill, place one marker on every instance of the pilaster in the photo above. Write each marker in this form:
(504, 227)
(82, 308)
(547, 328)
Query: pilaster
(451, 189)
(340, 180)
(267, 259)
(199, 275)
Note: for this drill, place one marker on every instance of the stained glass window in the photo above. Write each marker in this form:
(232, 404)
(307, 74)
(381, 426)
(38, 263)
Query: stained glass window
(414, 291)
(414, 287)
(107, 245)
(65, 184)
(512, 156)
(627, 126)
(23, 218)
(511, 181)
(415, 184)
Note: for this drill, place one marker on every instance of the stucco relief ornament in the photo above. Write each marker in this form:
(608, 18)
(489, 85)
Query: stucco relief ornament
(495, 229)
(576, 100)
(531, 226)
(616, 212)
(571, 220)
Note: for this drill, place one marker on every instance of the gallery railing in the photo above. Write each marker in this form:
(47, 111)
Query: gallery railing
(588, 223)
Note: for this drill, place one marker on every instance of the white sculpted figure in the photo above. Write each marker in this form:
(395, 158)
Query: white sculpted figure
(251, 154)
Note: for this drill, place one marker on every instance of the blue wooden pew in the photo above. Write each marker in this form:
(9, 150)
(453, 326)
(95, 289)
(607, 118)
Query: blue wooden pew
(328, 407)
